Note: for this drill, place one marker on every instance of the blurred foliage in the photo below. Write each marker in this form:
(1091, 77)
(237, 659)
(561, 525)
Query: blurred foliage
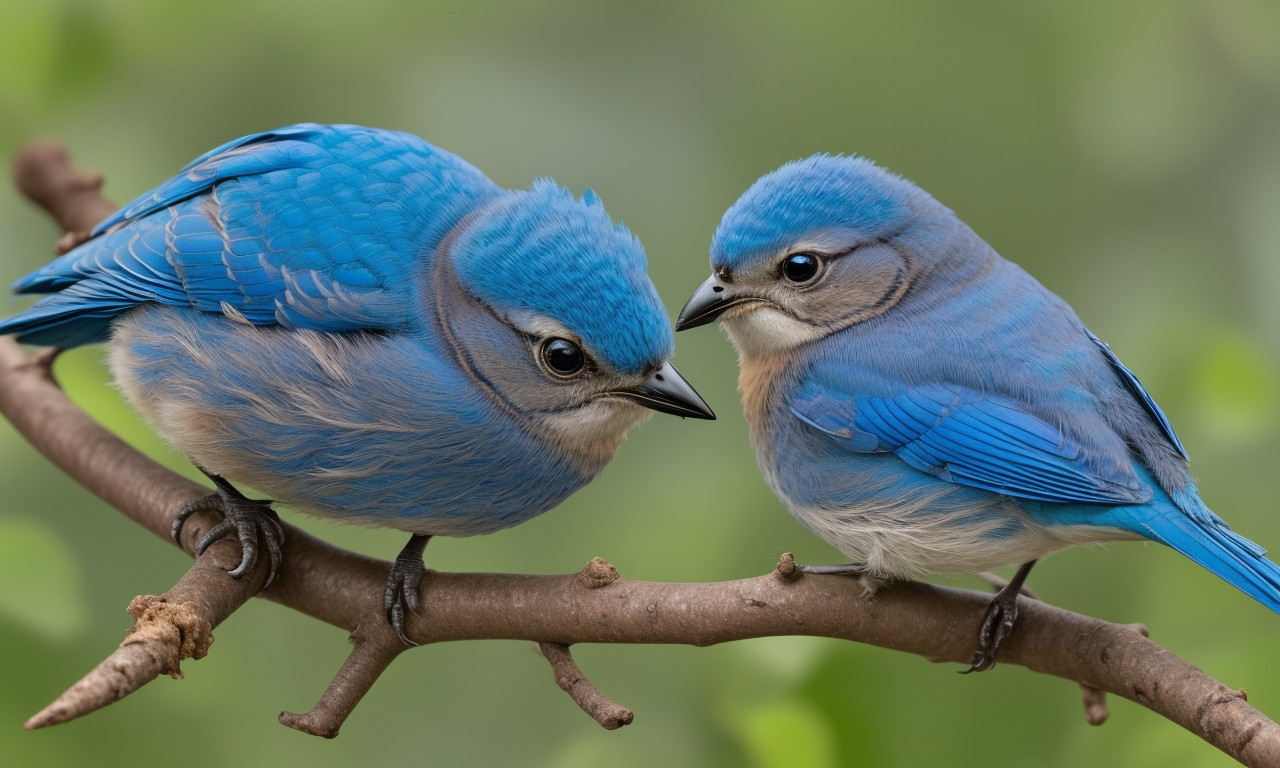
(53, 605)
(1125, 153)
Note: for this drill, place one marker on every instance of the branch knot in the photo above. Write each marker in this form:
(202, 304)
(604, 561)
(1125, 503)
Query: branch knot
(175, 629)
(597, 573)
(343, 589)
(786, 569)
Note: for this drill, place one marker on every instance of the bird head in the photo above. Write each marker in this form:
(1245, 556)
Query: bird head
(555, 313)
(816, 246)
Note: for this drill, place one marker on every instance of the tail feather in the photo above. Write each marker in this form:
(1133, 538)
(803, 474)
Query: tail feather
(63, 324)
(1209, 541)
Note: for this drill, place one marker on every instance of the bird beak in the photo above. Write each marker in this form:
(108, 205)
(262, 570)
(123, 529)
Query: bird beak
(704, 305)
(668, 392)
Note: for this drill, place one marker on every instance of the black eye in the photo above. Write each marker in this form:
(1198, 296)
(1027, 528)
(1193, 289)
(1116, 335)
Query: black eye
(563, 357)
(800, 267)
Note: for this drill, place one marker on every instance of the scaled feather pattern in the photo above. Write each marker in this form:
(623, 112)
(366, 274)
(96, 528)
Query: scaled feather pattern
(926, 406)
(355, 323)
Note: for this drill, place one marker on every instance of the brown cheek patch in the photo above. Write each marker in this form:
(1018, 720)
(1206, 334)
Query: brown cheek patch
(866, 283)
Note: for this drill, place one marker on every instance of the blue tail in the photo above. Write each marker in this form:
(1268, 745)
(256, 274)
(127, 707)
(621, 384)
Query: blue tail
(1205, 538)
(63, 323)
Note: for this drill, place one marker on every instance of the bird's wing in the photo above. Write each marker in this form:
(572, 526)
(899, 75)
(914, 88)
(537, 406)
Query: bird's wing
(257, 153)
(308, 226)
(1135, 387)
(970, 438)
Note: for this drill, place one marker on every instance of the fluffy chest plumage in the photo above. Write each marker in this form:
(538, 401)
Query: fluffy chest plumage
(872, 505)
(369, 429)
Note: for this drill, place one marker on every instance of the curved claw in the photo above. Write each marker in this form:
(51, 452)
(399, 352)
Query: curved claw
(247, 532)
(996, 626)
(1002, 614)
(212, 535)
(212, 501)
(250, 519)
(402, 593)
(406, 576)
(275, 551)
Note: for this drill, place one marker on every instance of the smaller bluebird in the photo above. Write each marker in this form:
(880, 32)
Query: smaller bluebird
(927, 407)
(368, 329)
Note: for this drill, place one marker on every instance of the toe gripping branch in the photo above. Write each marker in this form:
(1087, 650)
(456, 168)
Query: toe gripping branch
(341, 588)
(406, 576)
(179, 624)
(375, 648)
(1002, 614)
(252, 520)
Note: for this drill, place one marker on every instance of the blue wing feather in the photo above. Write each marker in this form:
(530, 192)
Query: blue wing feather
(240, 157)
(1140, 393)
(308, 226)
(971, 438)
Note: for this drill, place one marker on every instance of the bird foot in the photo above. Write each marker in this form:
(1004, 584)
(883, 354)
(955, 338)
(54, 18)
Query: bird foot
(1002, 614)
(870, 584)
(252, 520)
(846, 569)
(406, 576)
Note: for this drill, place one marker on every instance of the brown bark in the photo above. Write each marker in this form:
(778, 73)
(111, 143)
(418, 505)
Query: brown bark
(592, 606)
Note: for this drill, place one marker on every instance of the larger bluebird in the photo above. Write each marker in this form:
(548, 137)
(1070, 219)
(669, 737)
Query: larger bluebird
(366, 328)
(925, 406)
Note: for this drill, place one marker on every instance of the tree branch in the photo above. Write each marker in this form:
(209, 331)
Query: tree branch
(593, 606)
(167, 630)
(572, 681)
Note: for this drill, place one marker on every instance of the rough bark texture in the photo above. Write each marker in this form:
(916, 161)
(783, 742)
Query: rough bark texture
(595, 605)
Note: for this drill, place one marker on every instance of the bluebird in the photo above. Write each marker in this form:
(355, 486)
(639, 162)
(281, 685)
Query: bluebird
(925, 406)
(366, 328)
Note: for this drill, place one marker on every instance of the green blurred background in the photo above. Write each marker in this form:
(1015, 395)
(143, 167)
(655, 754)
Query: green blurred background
(1127, 154)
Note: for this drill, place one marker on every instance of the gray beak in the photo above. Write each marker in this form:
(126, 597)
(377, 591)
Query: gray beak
(704, 306)
(668, 392)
